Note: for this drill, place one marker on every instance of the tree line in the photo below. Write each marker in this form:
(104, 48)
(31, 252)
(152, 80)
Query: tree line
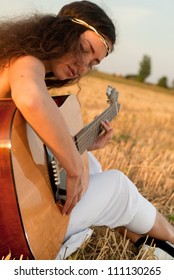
(145, 71)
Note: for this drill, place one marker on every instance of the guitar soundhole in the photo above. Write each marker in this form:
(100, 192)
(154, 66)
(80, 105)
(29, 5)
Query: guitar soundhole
(57, 177)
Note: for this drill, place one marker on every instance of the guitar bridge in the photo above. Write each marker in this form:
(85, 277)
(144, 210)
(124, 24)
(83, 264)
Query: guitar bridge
(57, 177)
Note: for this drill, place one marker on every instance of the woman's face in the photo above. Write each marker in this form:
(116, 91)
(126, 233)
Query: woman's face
(71, 66)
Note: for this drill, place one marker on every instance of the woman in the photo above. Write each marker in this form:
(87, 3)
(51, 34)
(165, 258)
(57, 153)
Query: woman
(51, 51)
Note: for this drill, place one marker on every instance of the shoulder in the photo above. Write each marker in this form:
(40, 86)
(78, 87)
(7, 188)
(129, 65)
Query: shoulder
(27, 66)
(27, 61)
(26, 73)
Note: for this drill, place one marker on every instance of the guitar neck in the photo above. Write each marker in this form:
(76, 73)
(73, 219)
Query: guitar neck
(86, 136)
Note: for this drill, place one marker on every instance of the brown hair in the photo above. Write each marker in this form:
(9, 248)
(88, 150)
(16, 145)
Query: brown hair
(50, 36)
(93, 15)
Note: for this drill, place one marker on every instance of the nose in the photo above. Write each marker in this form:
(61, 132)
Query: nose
(82, 68)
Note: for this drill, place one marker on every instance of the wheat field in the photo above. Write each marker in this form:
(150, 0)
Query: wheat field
(142, 147)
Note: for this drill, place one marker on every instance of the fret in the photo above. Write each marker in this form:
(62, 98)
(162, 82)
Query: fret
(86, 137)
(83, 140)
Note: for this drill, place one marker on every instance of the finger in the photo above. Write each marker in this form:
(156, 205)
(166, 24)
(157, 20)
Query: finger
(79, 196)
(73, 204)
(67, 205)
(106, 125)
(108, 131)
(110, 134)
(107, 136)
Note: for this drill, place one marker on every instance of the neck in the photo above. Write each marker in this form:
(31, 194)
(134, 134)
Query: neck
(86, 137)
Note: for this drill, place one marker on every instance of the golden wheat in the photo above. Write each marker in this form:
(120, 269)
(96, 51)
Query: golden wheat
(142, 148)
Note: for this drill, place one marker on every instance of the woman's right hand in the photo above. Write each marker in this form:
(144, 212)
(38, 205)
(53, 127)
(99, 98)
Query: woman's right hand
(29, 92)
(74, 189)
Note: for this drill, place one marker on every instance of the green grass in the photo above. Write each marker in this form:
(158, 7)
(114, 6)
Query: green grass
(171, 217)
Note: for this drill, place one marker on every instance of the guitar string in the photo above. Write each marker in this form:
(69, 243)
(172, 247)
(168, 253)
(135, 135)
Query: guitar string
(87, 129)
(93, 127)
(81, 141)
(83, 145)
(92, 130)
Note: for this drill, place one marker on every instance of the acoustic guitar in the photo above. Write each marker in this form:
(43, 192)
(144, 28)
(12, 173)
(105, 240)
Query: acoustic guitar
(33, 184)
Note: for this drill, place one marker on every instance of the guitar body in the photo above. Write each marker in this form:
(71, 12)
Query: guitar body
(31, 223)
(33, 184)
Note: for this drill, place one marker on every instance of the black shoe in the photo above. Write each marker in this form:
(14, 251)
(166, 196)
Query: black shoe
(163, 250)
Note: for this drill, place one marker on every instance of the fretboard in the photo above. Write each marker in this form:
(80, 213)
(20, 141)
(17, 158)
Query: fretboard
(87, 135)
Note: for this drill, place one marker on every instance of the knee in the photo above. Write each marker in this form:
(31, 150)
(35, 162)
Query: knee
(123, 186)
(123, 181)
(117, 178)
(117, 175)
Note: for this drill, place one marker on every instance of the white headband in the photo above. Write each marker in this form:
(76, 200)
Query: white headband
(81, 22)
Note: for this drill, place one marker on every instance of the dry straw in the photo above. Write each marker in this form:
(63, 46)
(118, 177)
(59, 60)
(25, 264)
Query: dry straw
(142, 148)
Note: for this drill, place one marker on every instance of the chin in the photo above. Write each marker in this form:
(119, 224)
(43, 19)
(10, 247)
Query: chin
(68, 78)
(63, 77)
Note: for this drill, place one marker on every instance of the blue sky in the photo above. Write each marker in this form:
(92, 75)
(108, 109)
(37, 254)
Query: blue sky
(143, 27)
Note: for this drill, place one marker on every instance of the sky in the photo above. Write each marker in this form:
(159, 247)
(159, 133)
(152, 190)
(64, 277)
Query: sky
(144, 27)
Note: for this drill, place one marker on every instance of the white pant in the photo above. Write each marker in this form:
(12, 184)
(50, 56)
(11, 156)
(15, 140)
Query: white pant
(111, 200)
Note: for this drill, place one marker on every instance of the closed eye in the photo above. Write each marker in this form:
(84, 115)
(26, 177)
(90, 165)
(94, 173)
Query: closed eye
(84, 49)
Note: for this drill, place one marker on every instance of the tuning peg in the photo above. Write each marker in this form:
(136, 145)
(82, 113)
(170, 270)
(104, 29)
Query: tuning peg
(108, 91)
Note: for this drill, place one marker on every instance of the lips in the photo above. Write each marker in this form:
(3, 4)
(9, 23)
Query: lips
(72, 72)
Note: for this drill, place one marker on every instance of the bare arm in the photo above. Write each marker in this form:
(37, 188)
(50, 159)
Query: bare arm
(29, 92)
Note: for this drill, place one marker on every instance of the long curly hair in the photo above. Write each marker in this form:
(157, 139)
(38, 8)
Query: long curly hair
(52, 36)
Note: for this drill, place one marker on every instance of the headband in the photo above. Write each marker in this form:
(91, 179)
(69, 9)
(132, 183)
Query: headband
(81, 22)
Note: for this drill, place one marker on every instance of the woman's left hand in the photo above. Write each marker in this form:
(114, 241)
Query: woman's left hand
(104, 138)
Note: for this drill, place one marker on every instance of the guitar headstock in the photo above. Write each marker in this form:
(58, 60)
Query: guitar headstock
(112, 95)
